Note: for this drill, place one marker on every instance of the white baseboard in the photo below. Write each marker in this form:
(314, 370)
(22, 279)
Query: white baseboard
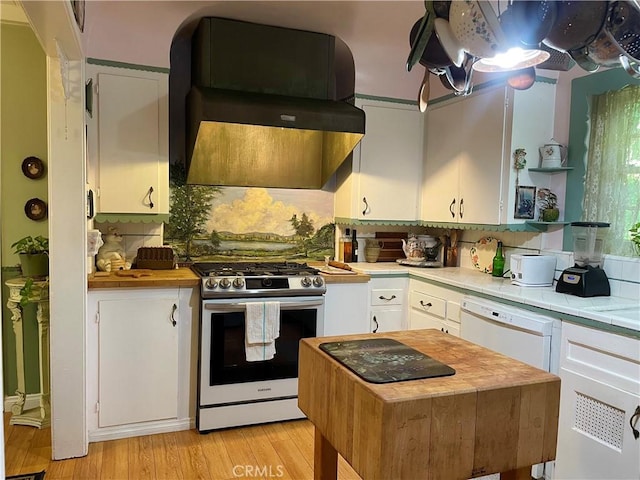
(139, 429)
(32, 401)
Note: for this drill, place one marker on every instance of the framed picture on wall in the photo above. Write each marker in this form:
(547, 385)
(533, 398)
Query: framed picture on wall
(525, 202)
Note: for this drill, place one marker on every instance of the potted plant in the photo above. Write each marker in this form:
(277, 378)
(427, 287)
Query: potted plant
(635, 237)
(548, 205)
(34, 255)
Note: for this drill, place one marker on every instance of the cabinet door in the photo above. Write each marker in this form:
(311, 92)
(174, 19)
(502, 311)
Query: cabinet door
(480, 171)
(595, 439)
(132, 142)
(138, 360)
(390, 162)
(386, 319)
(419, 320)
(345, 309)
(444, 149)
(463, 174)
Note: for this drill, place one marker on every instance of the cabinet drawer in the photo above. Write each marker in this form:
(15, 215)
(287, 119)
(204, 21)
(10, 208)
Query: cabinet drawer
(386, 296)
(428, 304)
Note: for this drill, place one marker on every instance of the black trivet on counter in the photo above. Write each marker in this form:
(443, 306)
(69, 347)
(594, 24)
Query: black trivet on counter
(383, 360)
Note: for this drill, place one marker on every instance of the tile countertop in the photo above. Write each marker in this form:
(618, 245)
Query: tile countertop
(614, 311)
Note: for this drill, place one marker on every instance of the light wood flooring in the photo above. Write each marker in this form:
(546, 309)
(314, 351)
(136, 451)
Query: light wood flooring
(273, 451)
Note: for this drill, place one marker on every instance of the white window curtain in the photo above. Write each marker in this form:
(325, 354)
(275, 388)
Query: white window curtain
(612, 180)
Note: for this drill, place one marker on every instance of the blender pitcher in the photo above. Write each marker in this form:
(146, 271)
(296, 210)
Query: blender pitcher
(587, 242)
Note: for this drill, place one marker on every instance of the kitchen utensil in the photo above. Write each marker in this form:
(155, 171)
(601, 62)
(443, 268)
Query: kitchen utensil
(476, 28)
(632, 67)
(449, 42)
(522, 79)
(412, 248)
(424, 32)
(558, 61)
(441, 8)
(624, 26)
(482, 254)
(137, 273)
(433, 55)
(423, 94)
(530, 21)
(575, 25)
(343, 266)
(586, 278)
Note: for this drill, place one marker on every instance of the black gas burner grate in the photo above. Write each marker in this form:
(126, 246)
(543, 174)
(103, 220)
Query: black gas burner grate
(253, 269)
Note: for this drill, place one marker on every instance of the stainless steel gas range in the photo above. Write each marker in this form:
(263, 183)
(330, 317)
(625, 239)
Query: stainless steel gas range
(231, 390)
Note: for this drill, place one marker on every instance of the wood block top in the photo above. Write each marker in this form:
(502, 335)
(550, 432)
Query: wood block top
(477, 368)
(495, 414)
(179, 277)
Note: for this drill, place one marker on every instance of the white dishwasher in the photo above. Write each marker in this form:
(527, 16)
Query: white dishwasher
(517, 333)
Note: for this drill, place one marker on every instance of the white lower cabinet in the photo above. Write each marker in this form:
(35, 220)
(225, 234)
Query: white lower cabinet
(345, 308)
(433, 306)
(141, 376)
(599, 405)
(388, 304)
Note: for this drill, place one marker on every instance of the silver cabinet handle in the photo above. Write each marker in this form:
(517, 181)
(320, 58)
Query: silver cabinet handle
(375, 321)
(426, 304)
(173, 311)
(452, 207)
(382, 297)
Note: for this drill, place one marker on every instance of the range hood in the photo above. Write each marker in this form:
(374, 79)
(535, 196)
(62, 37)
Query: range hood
(262, 108)
(255, 139)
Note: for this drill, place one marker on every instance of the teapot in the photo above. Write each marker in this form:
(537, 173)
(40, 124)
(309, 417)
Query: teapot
(412, 248)
(552, 154)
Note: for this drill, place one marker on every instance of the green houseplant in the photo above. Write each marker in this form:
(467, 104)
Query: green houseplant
(34, 255)
(548, 205)
(635, 237)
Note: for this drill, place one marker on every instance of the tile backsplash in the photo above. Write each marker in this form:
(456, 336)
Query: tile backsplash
(135, 235)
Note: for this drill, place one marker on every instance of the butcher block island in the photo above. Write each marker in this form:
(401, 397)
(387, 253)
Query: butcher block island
(495, 414)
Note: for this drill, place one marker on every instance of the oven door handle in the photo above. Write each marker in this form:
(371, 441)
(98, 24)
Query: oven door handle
(230, 307)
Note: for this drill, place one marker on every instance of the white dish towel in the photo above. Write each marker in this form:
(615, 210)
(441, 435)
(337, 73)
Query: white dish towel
(262, 322)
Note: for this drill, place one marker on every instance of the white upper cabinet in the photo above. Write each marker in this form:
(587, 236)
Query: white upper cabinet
(383, 180)
(128, 140)
(468, 172)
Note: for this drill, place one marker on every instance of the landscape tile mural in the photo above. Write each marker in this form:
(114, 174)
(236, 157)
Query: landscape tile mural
(249, 224)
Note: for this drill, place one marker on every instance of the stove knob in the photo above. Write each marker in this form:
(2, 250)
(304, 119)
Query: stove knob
(238, 282)
(317, 281)
(225, 283)
(306, 281)
(267, 282)
(211, 283)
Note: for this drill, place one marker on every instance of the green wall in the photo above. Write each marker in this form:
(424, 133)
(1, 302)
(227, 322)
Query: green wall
(23, 133)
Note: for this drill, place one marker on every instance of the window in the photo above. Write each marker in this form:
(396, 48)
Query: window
(612, 178)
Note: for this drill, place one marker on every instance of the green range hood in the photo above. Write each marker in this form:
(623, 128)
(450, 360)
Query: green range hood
(254, 139)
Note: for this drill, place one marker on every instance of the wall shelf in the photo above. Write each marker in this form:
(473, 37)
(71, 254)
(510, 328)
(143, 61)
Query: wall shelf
(544, 226)
(551, 170)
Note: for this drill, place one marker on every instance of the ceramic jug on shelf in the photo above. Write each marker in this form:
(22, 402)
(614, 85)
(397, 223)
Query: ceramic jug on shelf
(552, 155)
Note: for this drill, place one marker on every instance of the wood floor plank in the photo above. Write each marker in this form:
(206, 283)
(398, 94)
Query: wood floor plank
(141, 464)
(194, 465)
(166, 458)
(216, 455)
(17, 446)
(115, 460)
(267, 457)
(291, 455)
(89, 466)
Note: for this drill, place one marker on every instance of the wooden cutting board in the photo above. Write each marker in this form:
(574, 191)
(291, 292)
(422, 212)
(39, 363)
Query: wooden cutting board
(390, 245)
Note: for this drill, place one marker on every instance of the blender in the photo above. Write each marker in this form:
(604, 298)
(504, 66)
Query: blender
(586, 278)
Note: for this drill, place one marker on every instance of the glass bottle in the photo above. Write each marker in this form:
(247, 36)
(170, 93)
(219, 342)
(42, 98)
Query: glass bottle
(354, 246)
(498, 262)
(347, 246)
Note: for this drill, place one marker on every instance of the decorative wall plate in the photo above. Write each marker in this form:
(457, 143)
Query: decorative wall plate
(482, 254)
(35, 209)
(32, 167)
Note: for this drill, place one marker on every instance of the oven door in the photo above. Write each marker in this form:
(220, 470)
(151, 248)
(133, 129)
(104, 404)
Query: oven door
(225, 375)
